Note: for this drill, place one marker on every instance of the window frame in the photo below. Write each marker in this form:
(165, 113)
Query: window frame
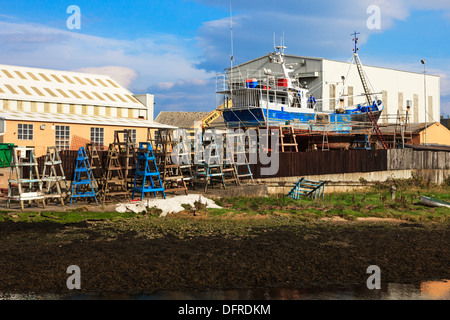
(20, 131)
(63, 141)
(98, 137)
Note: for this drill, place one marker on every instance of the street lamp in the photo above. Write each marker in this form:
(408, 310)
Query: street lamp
(425, 96)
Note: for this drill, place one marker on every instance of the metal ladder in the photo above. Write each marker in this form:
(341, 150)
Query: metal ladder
(368, 95)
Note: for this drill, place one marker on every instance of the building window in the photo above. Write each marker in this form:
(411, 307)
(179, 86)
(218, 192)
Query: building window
(62, 137)
(97, 137)
(25, 131)
(133, 136)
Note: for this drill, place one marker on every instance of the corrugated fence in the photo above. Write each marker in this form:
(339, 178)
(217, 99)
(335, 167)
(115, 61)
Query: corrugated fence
(326, 162)
(68, 160)
(319, 162)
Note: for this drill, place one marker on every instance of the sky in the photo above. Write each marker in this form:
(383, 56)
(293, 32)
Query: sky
(174, 49)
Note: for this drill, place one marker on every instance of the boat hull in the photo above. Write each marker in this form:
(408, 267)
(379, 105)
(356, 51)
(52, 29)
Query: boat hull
(433, 202)
(257, 117)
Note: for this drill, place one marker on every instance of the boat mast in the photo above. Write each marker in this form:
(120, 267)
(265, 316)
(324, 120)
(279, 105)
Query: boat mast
(232, 54)
(366, 88)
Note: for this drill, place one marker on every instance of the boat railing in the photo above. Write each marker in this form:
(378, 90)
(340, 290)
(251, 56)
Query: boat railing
(250, 79)
(311, 127)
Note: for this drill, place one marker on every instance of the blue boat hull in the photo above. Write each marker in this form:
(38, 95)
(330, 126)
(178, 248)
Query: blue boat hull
(257, 117)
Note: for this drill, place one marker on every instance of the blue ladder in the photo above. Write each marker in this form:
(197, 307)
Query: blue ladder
(83, 178)
(309, 188)
(146, 171)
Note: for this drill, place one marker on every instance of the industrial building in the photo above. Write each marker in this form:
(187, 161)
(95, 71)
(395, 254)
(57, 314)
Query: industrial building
(330, 80)
(42, 108)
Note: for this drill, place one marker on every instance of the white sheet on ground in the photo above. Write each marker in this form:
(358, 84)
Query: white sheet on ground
(168, 205)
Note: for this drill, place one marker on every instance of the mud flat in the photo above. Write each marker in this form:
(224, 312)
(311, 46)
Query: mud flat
(194, 253)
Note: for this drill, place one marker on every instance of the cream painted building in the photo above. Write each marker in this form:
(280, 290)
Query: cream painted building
(52, 91)
(42, 108)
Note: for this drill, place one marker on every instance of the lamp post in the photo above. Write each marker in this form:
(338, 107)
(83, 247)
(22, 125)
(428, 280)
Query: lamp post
(425, 96)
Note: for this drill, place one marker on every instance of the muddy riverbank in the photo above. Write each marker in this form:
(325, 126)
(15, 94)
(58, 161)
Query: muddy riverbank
(146, 255)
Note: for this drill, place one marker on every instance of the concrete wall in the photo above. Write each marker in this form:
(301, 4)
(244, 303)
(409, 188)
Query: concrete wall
(346, 182)
(402, 164)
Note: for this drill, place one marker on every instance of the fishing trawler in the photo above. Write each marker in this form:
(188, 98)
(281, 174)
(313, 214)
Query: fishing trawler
(267, 99)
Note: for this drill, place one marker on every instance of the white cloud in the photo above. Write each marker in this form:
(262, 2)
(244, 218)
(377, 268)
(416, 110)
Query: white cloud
(137, 64)
(165, 85)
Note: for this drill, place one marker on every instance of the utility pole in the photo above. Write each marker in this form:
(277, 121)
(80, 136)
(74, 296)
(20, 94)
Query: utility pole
(425, 97)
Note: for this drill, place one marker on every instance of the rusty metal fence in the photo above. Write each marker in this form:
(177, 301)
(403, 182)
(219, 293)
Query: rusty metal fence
(292, 164)
(289, 163)
(326, 162)
(68, 159)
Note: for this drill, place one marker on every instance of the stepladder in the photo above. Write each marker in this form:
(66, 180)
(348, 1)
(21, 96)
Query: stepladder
(24, 183)
(147, 177)
(83, 185)
(114, 183)
(288, 140)
(55, 183)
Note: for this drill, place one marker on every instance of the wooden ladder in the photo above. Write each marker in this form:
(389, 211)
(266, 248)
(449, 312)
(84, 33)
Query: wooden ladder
(239, 157)
(114, 183)
(171, 173)
(127, 154)
(54, 178)
(377, 130)
(20, 188)
(95, 164)
(288, 139)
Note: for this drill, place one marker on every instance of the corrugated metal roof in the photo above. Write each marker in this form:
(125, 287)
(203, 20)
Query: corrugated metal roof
(80, 119)
(430, 147)
(180, 119)
(186, 119)
(410, 128)
(33, 84)
(446, 123)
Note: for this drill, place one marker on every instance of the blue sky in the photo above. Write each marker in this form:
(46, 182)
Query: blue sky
(174, 49)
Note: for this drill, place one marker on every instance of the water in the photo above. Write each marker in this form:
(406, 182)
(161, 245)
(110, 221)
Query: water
(429, 290)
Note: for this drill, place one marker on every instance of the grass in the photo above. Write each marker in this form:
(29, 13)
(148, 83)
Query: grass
(374, 202)
(63, 217)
